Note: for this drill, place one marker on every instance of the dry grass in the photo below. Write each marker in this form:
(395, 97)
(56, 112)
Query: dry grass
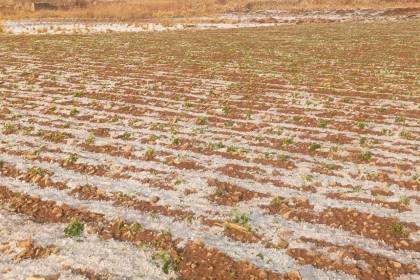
(145, 9)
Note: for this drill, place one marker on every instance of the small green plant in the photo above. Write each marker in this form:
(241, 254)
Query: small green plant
(226, 109)
(248, 115)
(175, 140)
(365, 156)
(323, 123)
(119, 224)
(78, 94)
(220, 192)
(334, 149)
(187, 104)
(404, 200)
(277, 201)
(168, 264)
(363, 141)
(8, 128)
(400, 119)
(72, 158)
(74, 112)
(74, 228)
(386, 131)
(269, 155)
(55, 136)
(232, 149)
(90, 139)
(153, 138)
(241, 219)
(135, 227)
(357, 189)
(150, 153)
(37, 171)
(398, 229)
(126, 135)
(282, 157)
(66, 125)
(308, 178)
(178, 181)
(216, 146)
(287, 141)
(297, 118)
(405, 134)
(360, 125)
(202, 120)
(314, 146)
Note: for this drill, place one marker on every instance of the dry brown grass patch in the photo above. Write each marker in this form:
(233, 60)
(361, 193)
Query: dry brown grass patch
(133, 10)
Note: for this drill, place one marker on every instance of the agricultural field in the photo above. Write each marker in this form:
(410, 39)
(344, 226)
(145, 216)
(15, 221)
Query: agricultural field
(286, 152)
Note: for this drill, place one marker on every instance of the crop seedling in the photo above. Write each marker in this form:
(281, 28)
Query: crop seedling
(72, 158)
(135, 227)
(398, 229)
(357, 189)
(74, 112)
(226, 109)
(287, 141)
(202, 120)
(360, 125)
(126, 135)
(363, 141)
(216, 146)
(220, 192)
(400, 119)
(308, 178)
(232, 149)
(323, 123)
(90, 139)
(74, 228)
(178, 181)
(241, 219)
(365, 156)
(282, 157)
(277, 201)
(296, 118)
(405, 134)
(269, 155)
(314, 146)
(187, 104)
(153, 138)
(150, 153)
(55, 136)
(168, 264)
(119, 224)
(404, 200)
(175, 140)
(37, 171)
(8, 128)
(228, 123)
